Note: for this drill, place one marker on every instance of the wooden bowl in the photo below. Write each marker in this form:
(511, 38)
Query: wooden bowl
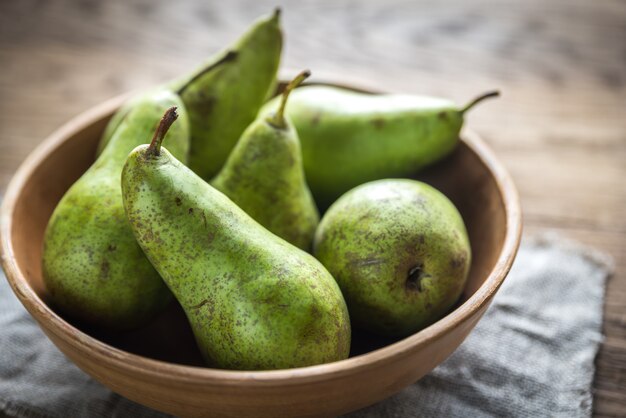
(159, 365)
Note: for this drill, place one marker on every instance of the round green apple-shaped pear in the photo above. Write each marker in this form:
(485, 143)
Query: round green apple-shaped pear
(399, 251)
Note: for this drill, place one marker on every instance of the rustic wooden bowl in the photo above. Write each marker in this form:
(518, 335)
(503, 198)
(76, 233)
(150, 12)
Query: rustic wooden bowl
(159, 365)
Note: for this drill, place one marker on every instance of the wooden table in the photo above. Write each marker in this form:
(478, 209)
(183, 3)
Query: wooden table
(560, 126)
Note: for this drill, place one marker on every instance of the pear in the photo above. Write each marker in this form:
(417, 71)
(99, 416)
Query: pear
(349, 138)
(264, 176)
(253, 300)
(399, 251)
(93, 268)
(224, 94)
(223, 102)
(199, 74)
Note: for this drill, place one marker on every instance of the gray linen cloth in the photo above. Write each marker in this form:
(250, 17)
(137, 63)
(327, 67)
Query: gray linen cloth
(530, 356)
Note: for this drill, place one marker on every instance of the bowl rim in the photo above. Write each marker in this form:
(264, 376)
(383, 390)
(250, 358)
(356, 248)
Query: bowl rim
(126, 362)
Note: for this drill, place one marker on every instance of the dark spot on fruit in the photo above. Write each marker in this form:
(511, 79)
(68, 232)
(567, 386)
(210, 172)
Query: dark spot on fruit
(190, 211)
(414, 279)
(378, 123)
(442, 115)
(104, 270)
(112, 248)
(206, 104)
(315, 313)
(201, 304)
(178, 201)
(316, 118)
(458, 261)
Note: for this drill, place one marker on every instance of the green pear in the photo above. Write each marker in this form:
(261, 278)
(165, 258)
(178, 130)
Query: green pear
(223, 95)
(198, 75)
(223, 102)
(399, 251)
(253, 300)
(264, 176)
(349, 138)
(92, 266)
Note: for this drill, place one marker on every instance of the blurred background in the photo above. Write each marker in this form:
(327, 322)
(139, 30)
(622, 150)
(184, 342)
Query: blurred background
(560, 126)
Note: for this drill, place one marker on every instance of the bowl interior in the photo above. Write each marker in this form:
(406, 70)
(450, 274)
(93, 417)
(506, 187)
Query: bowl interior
(463, 177)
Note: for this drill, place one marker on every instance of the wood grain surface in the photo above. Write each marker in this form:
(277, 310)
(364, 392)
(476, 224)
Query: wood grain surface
(560, 127)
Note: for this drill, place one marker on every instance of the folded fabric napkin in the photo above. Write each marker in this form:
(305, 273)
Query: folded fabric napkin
(530, 356)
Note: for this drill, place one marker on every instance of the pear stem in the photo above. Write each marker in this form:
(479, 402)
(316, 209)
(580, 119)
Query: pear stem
(154, 149)
(278, 119)
(228, 57)
(277, 12)
(479, 99)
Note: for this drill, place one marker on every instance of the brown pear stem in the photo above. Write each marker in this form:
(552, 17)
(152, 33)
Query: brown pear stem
(278, 119)
(276, 14)
(228, 57)
(154, 149)
(479, 99)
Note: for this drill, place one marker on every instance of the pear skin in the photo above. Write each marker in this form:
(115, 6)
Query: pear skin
(93, 268)
(223, 95)
(399, 251)
(254, 301)
(349, 138)
(264, 176)
(221, 103)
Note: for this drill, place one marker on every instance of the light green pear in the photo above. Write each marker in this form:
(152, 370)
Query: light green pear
(264, 176)
(137, 99)
(93, 268)
(253, 300)
(223, 102)
(349, 138)
(399, 251)
(224, 94)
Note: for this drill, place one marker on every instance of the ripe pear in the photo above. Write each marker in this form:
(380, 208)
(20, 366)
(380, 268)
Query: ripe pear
(253, 300)
(224, 94)
(92, 266)
(349, 138)
(264, 176)
(223, 102)
(399, 251)
(200, 75)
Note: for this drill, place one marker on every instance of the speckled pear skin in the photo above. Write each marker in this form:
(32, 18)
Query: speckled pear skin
(254, 301)
(400, 253)
(223, 102)
(223, 95)
(349, 138)
(264, 176)
(93, 268)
